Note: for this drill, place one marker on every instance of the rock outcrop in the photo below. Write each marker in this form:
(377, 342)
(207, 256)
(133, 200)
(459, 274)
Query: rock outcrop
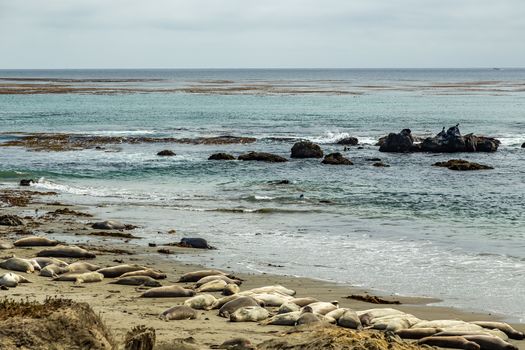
(221, 156)
(306, 149)
(402, 142)
(348, 141)
(166, 153)
(262, 157)
(460, 164)
(336, 159)
(452, 141)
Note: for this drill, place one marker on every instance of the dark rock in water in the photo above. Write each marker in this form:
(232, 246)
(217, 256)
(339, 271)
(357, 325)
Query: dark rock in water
(523, 145)
(11, 220)
(460, 164)
(306, 149)
(280, 182)
(166, 153)
(198, 243)
(381, 165)
(221, 156)
(373, 159)
(336, 159)
(262, 157)
(348, 141)
(112, 225)
(399, 143)
(360, 147)
(26, 182)
(452, 141)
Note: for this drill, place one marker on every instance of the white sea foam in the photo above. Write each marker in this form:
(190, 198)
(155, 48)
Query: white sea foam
(330, 137)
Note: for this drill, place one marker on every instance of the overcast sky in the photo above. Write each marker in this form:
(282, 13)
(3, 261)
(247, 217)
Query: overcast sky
(261, 33)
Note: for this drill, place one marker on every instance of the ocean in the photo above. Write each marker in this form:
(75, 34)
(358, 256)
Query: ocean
(410, 229)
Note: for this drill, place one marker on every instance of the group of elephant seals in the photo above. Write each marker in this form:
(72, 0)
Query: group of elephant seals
(168, 292)
(35, 241)
(179, 312)
(63, 251)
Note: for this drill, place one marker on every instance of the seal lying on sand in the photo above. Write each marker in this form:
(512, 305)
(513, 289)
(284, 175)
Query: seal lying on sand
(417, 333)
(198, 243)
(487, 342)
(230, 289)
(217, 277)
(117, 271)
(249, 314)
(81, 266)
(212, 286)
(147, 272)
(138, 281)
(273, 289)
(288, 307)
(53, 271)
(450, 342)
(272, 300)
(322, 307)
(43, 262)
(63, 251)
(86, 277)
(12, 280)
(288, 319)
(303, 301)
(17, 264)
(179, 312)
(5, 245)
(197, 275)
(502, 326)
(230, 307)
(35, 241)
(202, 302)
(168, 292)
(111, 225)
(349, 319)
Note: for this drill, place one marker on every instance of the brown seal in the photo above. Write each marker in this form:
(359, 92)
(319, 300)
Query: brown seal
(454, 342)
(168, 292)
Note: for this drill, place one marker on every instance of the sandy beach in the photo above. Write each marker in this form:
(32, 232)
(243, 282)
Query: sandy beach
(120, 306)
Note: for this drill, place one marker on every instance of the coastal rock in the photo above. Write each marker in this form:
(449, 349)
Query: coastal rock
(523, 145)
(198, 243)
(306, 149)
(399, 143)
(221, 156)
(348, 141)
(112, 225)
(381, 165)
(336, 159)
(166, 153)
(451, 141)
(262, 157)
(462, 165)
(26, 182)
(11, 220)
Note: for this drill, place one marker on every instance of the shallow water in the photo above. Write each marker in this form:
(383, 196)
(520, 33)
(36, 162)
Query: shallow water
(411, 228)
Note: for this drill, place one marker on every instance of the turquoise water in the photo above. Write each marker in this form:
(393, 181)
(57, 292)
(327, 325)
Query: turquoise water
(411, 228)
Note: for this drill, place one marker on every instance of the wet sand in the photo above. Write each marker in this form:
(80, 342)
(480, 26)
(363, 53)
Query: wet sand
(122, 309)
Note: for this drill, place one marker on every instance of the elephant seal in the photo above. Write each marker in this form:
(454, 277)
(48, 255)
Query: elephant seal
(12, 280)
(445, 324)
(418, 333)
(449, 342)
(179, 312)
(502, 326)
(202, 302)
(249, 314)
(197, 243)
(288, 307)
(35, 241)
(395, 322)
(168, 292)
(230, 289)
(489, 342)
(217, 277)
(147, 272)
(43, 262)
(78, 278)
(53, 271)
(349, 319)
(137, 281)
(17, 264)
(303, 301)
(489, 332)
(288, 319)
(81, 266)
(272, 300)
(322, 307)
(117, 271)
(111, 225)
(307, 318)
(230, 307)
(212, 286)
(224, 300)
(63, 251)
(197, 275)
(273, 289)
(5, 245)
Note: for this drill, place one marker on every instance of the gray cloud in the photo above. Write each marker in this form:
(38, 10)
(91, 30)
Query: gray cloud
(243, 33)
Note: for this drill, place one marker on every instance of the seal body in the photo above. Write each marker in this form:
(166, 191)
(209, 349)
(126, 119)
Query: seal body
(17, 264)
(53, 271)
(86, 277)
(212, 286)
(288, 319)
(202, 302)
(179, 312)
(450, 342)
(138, 281)
(273, 289)
(35, 241)
(502, 326)
(62, 251)
(119, 270)
(249, 314)
(349, 319)
(321, 307)
(230, 289)
(12, 280)
(168, 292)
(147, 272)
(82, 266)
(217, 277)
(230, 307)
(197, 275)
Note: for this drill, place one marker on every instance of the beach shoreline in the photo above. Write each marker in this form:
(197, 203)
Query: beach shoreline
(121, 308)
